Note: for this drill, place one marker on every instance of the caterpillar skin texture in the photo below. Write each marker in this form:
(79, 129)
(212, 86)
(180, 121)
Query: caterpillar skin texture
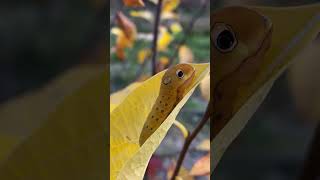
(240, 37)
(174, 84)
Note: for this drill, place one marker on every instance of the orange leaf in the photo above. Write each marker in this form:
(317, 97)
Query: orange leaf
(201, 167)
(120, 54)
(133, 3)
(170, 5)
(185, 54)
(127, 26)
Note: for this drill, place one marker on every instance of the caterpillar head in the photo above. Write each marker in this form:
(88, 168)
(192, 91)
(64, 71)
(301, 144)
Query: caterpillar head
(178, 77)
(236, 34)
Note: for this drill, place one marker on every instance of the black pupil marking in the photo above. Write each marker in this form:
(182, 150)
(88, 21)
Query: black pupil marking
(180, 74)
(225, 40)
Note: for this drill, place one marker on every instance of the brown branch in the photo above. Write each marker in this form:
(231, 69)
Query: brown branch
(311, 169)
(190, 138)
(155, 37)
(188, 30)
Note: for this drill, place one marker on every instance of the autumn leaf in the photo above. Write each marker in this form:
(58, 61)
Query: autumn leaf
(201, 167)
(126, 25)
(128, 159)
(144, 14)
(165, 38)
(126, 35)
(143, 54)
(170, 5)
(176, 28)
(182, 128)
(185, 54)
(133, 3)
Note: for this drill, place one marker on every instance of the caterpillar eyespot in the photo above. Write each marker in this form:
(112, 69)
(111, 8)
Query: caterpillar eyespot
(179, 73)
(172, 90)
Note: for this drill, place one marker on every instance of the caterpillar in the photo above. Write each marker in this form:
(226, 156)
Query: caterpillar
(240, 38)
(174, 84)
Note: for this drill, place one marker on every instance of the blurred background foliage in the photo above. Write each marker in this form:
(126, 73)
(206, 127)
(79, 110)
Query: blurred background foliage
(40, 39)
(275, 142)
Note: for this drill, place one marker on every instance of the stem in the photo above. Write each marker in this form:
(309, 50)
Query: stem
(311, 169)
(188, 30)
(190, 138)
(155, 37)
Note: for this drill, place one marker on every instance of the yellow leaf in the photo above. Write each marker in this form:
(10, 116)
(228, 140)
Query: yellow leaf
(73, 133)
(182, 128)
(165, 39)
(289, 38)
(145, 14)
(205, 88)
(143, 54)
(128, 159)
(170, 5)
(176, 28)
(119, 96)
(133, 3)
(185, 54)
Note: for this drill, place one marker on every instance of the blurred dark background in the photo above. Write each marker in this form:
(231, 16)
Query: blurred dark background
(41, 39)
(275, 142)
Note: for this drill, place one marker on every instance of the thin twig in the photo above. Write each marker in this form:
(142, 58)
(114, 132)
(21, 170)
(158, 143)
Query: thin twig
(311, 169)
(190, 138)
(188, 30)
(155, 37)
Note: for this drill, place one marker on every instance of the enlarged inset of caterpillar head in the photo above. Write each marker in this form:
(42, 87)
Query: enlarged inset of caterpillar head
(240, 38)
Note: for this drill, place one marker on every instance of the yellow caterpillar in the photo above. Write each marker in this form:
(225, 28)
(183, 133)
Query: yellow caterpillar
(173, 85)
